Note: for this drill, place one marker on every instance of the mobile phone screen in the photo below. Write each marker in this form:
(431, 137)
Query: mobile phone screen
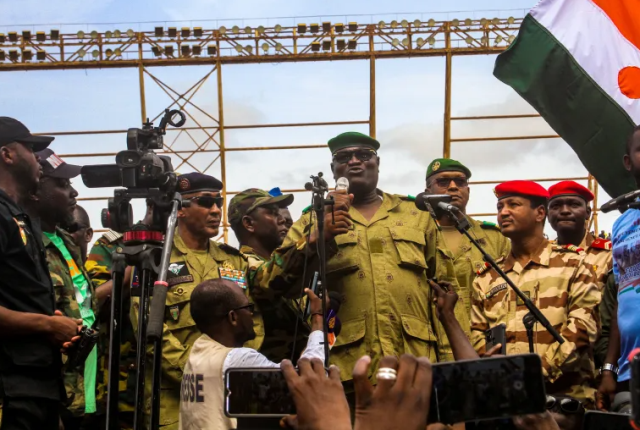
(257, 392)
(490, 388)
(596, 420)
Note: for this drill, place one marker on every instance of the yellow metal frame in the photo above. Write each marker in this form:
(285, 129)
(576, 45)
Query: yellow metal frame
(329, 42)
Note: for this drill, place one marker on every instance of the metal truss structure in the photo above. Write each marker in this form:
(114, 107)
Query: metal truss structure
(213, 48)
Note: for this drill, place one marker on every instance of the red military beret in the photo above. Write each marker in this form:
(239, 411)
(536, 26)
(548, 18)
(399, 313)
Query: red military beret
(520, 188)
(570, 188)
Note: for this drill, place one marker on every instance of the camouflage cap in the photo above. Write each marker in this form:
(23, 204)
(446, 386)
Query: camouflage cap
(248, 200)
(352, 138)
(447, 165)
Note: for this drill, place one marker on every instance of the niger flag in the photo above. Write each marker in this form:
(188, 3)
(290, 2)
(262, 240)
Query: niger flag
(577, 62)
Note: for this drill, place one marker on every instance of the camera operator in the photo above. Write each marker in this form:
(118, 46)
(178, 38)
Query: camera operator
(224, 316)
(625, 322)
(31, 330)
(558, 282)
(53, 204)
(255, 218)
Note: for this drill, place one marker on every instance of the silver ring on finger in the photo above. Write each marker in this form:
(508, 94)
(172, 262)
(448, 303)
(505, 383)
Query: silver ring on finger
(387, 373)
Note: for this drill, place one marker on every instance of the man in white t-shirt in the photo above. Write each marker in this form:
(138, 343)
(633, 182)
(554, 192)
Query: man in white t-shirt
(223, 314)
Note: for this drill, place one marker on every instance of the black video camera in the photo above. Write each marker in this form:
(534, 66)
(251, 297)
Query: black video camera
(142, 172)
(82, 348)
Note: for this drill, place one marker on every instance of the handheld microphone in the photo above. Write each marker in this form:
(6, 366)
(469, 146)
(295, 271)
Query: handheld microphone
(342, 184)
(424, 199)
(620, 201)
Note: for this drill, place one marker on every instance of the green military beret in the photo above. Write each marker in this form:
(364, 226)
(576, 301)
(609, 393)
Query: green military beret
(447, 165)
(248, 200)
(352, 138)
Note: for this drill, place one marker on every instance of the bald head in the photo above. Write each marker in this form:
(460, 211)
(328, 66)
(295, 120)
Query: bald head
(212, 300)
(81, 216)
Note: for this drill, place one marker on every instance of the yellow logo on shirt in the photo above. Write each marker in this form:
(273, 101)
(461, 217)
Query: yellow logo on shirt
(23, 234)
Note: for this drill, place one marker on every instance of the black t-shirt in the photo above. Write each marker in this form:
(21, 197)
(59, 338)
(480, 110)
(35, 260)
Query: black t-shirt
(30, 366)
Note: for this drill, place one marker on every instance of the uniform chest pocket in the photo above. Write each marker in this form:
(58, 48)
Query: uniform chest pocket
(496, 303)
(177, 310)
(410, 245)
(346, 259)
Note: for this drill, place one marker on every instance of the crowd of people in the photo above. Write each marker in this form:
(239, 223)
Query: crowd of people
(414, 291)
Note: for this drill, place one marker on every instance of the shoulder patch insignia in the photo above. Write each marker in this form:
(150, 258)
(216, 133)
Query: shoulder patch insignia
(601, 244)
(174, 311)
(486, 266)
(489, 225)
(570, 248)
(495, 290)
(111, 236)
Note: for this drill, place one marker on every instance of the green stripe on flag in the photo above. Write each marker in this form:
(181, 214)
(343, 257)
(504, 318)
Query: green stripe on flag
(539, 68)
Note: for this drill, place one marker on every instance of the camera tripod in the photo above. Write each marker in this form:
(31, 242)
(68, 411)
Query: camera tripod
(143, 249)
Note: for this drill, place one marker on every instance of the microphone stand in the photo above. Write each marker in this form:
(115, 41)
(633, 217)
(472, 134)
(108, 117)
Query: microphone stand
(319, 187)
(463, 225)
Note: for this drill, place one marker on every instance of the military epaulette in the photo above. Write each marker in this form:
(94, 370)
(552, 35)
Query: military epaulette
(489, 225)
(112, 236)
(483, 269)
(601, 244)
(307, 209)
(228, 249)
(565, 248)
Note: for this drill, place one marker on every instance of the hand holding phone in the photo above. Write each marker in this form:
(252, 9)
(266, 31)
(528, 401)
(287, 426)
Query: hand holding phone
(494, 336)
(402, 403)
(319, 398)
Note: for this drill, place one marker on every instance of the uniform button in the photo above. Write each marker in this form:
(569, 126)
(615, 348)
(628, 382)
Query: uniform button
(409, 300)
(392, 317)
(389, 277)
(361, 275)
(179, 291)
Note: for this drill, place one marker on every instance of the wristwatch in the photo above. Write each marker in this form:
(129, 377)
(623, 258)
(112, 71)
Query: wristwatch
(610, 367)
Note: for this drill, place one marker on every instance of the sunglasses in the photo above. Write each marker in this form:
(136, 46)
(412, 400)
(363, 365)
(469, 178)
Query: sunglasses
(207, 201)
(346, 156)
(444, 182)
(564, 404)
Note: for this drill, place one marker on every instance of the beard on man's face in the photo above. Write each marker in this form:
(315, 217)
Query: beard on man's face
(28, 182)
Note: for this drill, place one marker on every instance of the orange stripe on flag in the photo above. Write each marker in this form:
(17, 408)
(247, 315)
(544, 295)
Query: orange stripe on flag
(625, 15)
(629, 82)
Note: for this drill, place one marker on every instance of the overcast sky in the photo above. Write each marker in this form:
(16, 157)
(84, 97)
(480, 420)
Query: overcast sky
(409, 97)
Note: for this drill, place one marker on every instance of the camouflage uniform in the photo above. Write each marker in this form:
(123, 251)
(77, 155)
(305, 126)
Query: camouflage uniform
(599, 257)
(381, 268)
(66, 302)
(99, 265)
(274, 323)
(563, 286)
(466, 262)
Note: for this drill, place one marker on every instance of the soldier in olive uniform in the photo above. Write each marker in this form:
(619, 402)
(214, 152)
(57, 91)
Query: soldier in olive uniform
(76, 297)
(447, 176)
(195, 257)
(380, 263)
(557, 280)
(256, 219)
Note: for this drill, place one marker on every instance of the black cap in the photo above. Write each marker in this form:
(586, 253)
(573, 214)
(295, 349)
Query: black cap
(12, 130)
(196, 182)
(54, 167)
